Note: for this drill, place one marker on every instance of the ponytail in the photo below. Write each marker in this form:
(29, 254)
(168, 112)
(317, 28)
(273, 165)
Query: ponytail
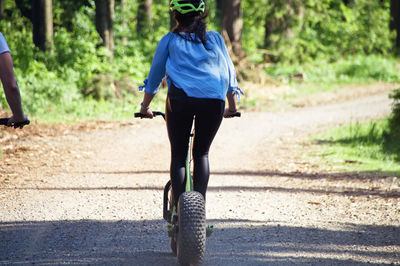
(193, 22)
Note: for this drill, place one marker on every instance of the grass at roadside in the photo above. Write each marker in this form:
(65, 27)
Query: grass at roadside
(358, 147)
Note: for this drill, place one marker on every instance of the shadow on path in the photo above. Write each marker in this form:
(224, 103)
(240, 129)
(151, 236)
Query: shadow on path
(235, 242)
(333, 189)
(355, 192)
(266, 173)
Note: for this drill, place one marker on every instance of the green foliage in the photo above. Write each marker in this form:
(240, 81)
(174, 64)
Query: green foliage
(253, 24)
(59, 81)
(43, 90)
(302, 31)
(359, 147)
(327, 40)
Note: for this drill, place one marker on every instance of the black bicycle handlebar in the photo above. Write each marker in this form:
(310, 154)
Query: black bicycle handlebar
(4, 122)
(155, 113)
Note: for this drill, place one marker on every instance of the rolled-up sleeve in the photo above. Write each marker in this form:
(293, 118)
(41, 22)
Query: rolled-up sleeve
(233, 84)
(157, 70)
(3, 45)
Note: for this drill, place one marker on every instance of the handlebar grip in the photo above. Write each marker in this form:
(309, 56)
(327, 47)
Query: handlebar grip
(140, 115)
(4, 121)
(237, 114)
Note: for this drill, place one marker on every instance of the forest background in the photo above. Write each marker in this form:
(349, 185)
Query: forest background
(84, 59)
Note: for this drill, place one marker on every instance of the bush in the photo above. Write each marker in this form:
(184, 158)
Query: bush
(78, 71)
(392, 135)
(44, 91)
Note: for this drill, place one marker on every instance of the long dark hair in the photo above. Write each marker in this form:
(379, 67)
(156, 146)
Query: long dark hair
(192, 22)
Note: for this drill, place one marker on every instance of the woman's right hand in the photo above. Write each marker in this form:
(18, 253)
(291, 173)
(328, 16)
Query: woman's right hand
(228, 113)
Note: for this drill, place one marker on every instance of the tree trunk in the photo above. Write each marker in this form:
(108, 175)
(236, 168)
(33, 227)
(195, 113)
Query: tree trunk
(395, 20)
(104, 22)
(269, 29)
(144, 16)
(218, 13)
(1, 9)
(124, 21)
(42, 21)
(232, 23)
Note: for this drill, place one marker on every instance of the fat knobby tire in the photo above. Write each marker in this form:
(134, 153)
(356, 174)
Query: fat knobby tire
(191, 244)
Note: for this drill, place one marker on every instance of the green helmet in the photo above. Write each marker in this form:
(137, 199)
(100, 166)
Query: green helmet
(184, 6)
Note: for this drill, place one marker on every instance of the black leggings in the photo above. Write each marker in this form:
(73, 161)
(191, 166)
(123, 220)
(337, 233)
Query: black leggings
(180, 112)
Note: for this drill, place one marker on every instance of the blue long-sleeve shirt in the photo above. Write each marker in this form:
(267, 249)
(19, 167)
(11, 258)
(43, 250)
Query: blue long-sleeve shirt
(3, 44)
(202, 72)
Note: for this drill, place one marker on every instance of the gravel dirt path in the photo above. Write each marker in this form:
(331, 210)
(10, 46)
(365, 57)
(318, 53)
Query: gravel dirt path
(93, 195)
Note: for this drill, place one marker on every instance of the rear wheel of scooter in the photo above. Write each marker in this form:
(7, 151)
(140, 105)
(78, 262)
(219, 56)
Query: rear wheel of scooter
(191, 237)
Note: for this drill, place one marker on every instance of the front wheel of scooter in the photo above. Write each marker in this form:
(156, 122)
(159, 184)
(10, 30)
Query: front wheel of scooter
(191, 237)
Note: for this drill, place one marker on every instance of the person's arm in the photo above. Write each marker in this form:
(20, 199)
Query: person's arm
(233, 88)
(233, 84)
(156, 75)
(144, 106)
(11, 89)
(231, 110)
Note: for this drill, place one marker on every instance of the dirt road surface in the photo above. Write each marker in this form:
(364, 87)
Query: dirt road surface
(94, 197)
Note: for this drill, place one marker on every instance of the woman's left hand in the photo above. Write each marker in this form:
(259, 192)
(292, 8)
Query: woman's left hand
(146, 111)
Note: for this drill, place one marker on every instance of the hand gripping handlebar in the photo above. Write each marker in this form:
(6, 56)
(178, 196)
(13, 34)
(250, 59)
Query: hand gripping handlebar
(155, 113)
